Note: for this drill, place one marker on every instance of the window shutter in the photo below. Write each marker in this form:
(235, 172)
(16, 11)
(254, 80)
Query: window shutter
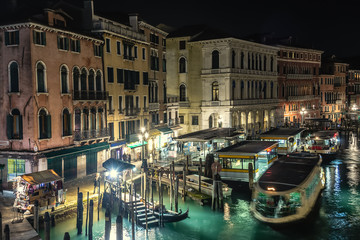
(34, 36)
(70, 124)
(43, 36)
(9, 128)
(20, 127)
(6, 38)
(17, 37)
(58, 42)
(48, 126)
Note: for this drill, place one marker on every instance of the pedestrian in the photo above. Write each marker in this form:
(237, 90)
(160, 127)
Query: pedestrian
(96, 181)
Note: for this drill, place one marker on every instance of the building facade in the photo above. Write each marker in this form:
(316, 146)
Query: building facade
(299, 85)
(53, 98)
(223, 81)
(337, 70)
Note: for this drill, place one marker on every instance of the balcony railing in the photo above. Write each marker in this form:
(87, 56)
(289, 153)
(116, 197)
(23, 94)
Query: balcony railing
(80, 135)
(90, 95)
(130, 112)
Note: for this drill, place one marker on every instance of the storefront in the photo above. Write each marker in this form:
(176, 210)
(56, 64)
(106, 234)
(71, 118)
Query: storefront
(117, 149)
(45, 186)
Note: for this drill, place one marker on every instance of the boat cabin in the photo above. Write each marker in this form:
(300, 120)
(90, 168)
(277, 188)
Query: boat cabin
(324, 142)
(289, 138)
(235, 159)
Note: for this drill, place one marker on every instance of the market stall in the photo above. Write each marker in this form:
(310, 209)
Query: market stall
(45, 186)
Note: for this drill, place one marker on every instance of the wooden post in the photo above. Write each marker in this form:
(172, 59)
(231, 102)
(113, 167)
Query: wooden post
(251, 176)
(184, 183)
(91, 218)
(0, 226)
(87, 214)
(36, 215)
(98, 209)
(47, 226)
(145, 193)
(176, 192)
(214, 194)
(160, 207)
(80, 210)
(52, 216)
(187, 164)
(107, 222)
(142, 183)
(199, 179)
(200, 162)
(119, 227)
(67, 236)
(220, 195)
(132, 208)
(7, 232)
(171, 188)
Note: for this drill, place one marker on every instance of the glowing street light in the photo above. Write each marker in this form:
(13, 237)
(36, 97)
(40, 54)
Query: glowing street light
(302, 112)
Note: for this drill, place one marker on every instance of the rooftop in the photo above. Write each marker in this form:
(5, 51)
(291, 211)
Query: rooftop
(288, 172)
(282, 132)
(248, 147)
(209, 134)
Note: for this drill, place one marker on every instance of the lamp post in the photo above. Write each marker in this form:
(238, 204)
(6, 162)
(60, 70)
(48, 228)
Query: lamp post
(142, 137)
(302, 112)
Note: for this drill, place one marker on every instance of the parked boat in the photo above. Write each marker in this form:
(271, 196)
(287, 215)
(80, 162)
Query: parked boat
(171, 216)
(288, 191)
(206, 185)
(323, 142)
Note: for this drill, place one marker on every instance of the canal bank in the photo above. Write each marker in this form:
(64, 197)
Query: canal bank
(337, 217)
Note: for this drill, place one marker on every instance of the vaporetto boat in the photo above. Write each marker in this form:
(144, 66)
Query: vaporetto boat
(323, 142)
(289, 189)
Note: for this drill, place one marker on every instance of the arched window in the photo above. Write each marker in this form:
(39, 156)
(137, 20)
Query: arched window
(44, 125)
(14, 125)
(85, 120)
(64, 80)
(272, 90)
(215, 59)
(92, 118)
(182, 93)
(265, 63)
(242, 90)
(215, 91)
(98, 81)
(14, 77)
(40, 76)
(210, 121)
(182, 65)
(83, 77)
(91, 80)
(66, 119)
(76, 79)
(272, 64)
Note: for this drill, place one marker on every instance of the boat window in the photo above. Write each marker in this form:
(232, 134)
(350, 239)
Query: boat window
(276, 206)
(237, 163)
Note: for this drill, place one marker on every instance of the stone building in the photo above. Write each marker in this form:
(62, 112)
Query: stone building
(222, 81)
(299, 86)
(53, 98)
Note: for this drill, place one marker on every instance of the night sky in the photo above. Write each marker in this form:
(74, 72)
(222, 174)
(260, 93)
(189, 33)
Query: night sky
(328, 25)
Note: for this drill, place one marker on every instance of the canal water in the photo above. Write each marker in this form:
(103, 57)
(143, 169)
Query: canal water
(337, 218)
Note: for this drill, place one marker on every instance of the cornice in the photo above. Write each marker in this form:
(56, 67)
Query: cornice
(48, 29)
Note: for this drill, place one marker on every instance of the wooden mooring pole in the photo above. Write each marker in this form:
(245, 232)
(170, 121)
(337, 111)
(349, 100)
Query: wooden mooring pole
(119, 227)
(36, 215)
(80, 210)
(67, 236)
(7, 232)
(87, 214)
(91, 218)
(107, 222)
(176, 193)
(184, 183)
(47, 225)
(1, 227)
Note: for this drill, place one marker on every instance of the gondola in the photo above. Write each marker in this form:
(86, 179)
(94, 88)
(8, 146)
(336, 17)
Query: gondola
(171, 216)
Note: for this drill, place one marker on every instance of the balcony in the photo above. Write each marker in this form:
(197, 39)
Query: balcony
(154, 106)
(100, 25)
(90, 95)
(129, 112)
(94, 134)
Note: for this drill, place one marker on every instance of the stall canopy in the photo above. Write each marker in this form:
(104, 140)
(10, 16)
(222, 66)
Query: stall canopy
(118, 165)
(45, 176)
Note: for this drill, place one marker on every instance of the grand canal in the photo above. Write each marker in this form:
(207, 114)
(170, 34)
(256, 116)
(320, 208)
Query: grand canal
(337, 218)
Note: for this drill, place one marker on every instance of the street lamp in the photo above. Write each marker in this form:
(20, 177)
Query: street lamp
(302, 112)
(143, 136)
(354, 107)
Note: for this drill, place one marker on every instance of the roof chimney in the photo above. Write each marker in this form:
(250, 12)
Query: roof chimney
(134, 21)
(88, 14)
